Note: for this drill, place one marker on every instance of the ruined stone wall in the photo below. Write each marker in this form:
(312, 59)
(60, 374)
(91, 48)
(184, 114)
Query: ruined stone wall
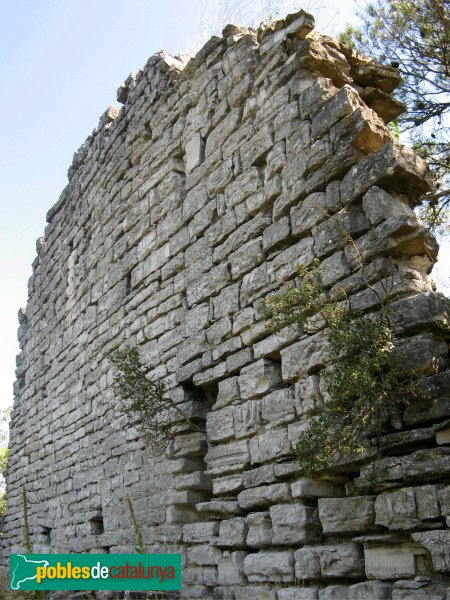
(185, 208)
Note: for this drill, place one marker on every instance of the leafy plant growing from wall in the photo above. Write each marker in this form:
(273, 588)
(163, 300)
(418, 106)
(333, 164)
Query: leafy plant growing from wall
(364, 384)
(144, 400)
(140, 547)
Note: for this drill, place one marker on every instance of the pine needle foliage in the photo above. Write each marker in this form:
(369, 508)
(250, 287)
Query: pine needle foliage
(144, 401)
(414, 36)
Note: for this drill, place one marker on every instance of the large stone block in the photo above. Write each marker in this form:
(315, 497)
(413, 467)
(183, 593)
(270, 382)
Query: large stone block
(259, 530)
(273, 444)
(259, 378)
(194, 151)
(204, 555)
(228, 392)
(269, 566)
(219, 425)
(265, 495)
(231, 569)
(329, 562)
(278, 407)
(407, 509)
(294, 524)
(233, 532)
(227, 458)
(429, 464)
(311, 211)
(207, 284)
(370, 590)
(347, 515)
(378, 206)
(315, 488)
(299, 359)
(432, 402)
(394, 166)
(438, 545)
(247, 418)
(200, 532)
(299, 593)
(334, 592)
(389, 562)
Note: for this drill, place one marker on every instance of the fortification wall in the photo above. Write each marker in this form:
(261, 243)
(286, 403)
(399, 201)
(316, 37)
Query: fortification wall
(184, 209)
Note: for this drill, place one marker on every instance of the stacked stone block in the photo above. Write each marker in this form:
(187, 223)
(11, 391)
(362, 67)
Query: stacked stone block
(184, 209)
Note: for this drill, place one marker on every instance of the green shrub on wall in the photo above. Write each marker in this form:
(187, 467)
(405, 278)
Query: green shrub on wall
(144, 401)
(364, 384)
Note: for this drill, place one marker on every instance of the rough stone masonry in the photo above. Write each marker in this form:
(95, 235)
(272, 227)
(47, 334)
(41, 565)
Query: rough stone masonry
(218, 177)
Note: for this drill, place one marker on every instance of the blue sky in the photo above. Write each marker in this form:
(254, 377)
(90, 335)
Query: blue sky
(61, 62)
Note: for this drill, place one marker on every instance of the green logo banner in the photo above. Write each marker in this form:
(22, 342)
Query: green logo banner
(95, 571)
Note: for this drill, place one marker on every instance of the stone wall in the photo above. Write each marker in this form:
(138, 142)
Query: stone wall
(184, 209)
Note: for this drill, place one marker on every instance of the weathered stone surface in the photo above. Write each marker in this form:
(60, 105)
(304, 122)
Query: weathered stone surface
(438, 545)
(278, 407)
(228, 392)
(227, 485)
(264, 495)
(299, 593)
(269, 566)
(294, 524)
(332, 234)
(219, 425)
(408, 508)
(378, 206)
(334, 592)
(340, 561)
(227, 458)
(347, 515)
(310, 212)
(260, 475)
(433, 401)
(194, 150)
(259, 378)
(257, 592)
(259, 530)
(389, 562)
(417, 311)
(204, 555)
(231, 569)
(233, 533)
(429, 464)
(370, 590)
(316, 488)
(200, 532)
(393, 166)
(219, 508)
(301, 358)
(270, 445)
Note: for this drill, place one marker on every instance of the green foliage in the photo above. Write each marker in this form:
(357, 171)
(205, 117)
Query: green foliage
(2, 502)
(414, 35)
(143, 399)
(395, 128)
(364, 385)
(3, 459)
(296, 304)
(314, 450)
(140, 547)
